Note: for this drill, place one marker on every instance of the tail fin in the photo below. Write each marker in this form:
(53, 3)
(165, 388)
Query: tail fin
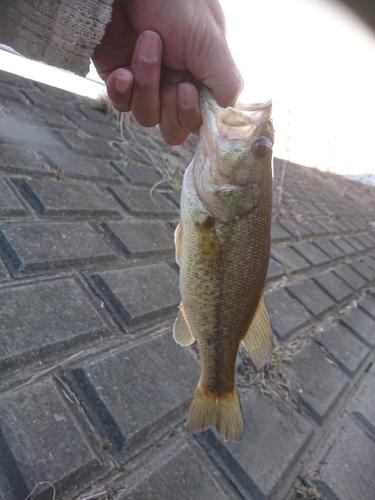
(224, 412)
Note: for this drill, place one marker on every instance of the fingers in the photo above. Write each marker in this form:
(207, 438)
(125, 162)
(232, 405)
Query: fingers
(169, 99)
(145, 67)
(180, 110)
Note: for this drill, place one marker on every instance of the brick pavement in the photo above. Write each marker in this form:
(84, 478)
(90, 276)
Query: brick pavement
(93, 389)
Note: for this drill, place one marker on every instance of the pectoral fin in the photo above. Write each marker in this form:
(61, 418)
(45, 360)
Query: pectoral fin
(178, 242)
(258, 339)
(209, 244)
(181, 329)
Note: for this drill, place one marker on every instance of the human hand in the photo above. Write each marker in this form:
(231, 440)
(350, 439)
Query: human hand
(154, 55)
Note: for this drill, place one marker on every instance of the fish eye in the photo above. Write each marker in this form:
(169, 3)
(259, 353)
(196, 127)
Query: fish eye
(261, 148)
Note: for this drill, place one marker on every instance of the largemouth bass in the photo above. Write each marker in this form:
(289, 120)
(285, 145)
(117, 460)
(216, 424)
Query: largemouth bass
(222, 248)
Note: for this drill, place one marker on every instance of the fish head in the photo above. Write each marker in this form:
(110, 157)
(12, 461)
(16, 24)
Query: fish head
(232, 167)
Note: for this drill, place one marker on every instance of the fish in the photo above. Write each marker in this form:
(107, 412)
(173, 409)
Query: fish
(222, 246)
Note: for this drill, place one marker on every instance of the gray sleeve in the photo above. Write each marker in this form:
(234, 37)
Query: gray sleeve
(61, 33)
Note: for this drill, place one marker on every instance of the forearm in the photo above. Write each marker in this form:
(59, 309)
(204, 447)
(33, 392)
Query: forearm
(60, 33)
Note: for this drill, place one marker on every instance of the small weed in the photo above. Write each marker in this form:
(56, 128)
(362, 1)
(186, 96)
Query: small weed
(6, 384)
(58, 176)
(286, 269)
(136, 163)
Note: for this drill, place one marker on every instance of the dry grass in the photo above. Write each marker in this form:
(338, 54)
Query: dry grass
(307, 493)
(275, 380)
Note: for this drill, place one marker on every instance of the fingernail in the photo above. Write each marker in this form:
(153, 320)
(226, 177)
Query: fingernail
(122, 84)
(186, 95)
(150, 46)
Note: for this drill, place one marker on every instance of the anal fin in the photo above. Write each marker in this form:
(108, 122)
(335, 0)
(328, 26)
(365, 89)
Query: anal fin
(181, 329)
(258, 339)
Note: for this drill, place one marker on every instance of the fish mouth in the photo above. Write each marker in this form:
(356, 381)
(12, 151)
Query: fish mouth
(240, 122)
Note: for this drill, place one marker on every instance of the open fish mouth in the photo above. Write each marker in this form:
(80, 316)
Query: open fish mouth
(241, 116)
(232, 123)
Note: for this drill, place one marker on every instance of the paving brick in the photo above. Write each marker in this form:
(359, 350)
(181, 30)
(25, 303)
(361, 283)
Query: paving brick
(107, 133)
(368, 273)
(175, 197)
(275, 271)
(43, 100)
(176, 472)
(368, 261)
(26, 135)
(325, 208)
(329, 248)
(80, 167)
(59, 198)
(340, 225)
(20, 161)
(276, 438)
(147, 141)
(333, 286)
(9, 204)
(139, 202)
(61, 94)
(289, 259)
(345, 224)
(87, 145)
(287, 315)
(140, 239)
(362, 405)
(18, 111)
(344, 246)
(346, 471)
(94, 113)
(8, 92)
(52, 119)
(321, 382)
(4, 275)
(315, 300)
(40, 442)
(352, 240)
(361, 325)
(35, 247)
(367, 304)
(137, 175)
(311, 253)
(366, 242)
(294, 228)
(15, 80)
(133, 154)
(140, 295)
(315, 228)
(348, 352)
(44, 320)
(351, 277)
(371, 236)
(278, 233)
(136, 394)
